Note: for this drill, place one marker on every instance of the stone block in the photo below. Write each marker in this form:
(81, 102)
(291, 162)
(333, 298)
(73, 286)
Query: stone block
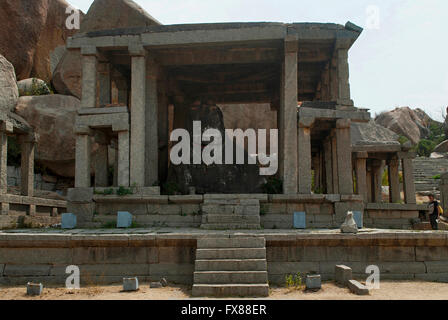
(34, 289)
(124, 219)
(313, 282)
(68, 221)
(130, 284)
(436, 266)
(80, 194)
(342, 274)
(359, 217)
(155, 285)
(299, 220)
(358, 288)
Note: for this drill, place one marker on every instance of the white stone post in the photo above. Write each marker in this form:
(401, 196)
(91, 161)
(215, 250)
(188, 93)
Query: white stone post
(288, 119)
(89, 76)
(138, 100)
(304, 154)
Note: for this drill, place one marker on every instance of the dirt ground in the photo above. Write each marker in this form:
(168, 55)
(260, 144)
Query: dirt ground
(390, 290)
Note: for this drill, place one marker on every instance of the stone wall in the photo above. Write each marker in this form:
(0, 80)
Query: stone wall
(107, 258)
(276, 211)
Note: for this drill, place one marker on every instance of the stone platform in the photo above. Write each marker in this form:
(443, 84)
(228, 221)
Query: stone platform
(106, 256)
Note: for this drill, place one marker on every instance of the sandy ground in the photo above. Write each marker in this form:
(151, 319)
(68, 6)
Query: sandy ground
(390, 290)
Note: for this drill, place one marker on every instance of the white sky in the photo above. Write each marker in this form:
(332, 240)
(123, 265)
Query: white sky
(403, 62)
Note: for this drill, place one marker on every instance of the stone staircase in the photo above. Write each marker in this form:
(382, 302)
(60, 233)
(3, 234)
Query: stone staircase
(424, 171)
(230, 213)
(231, 267)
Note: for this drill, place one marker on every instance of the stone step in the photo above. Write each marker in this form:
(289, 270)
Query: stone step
(235, 218)
(231, 209)
(231, 277)
(231, 253)
(226, 243)
(230, 226)
(231, 265)
(230, 290)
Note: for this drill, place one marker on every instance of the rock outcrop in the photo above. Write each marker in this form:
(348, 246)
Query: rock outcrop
(53, 118)
(31, 33)
(442, 147)
(9, 93)
(102, 15)
(413, 124)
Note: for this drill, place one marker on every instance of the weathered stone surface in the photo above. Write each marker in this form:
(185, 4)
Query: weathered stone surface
(358, 288)
(342, 274)
(34, 289)
(53, 118)
(349, 225)
(413, 124)
(33, 30)
(130, 284)
(155, 285)
(9, 93)
(102, 15)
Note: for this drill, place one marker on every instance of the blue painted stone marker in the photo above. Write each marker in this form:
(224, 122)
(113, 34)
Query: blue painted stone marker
(358, 216)
(68, 221)
(124, 219)
(299, 220)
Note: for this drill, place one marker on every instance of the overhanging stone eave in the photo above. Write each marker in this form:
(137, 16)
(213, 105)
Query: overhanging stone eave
(328, 114)
(156, 36)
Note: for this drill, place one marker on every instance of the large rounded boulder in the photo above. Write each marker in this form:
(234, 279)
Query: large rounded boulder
(9, 93)
(53, 118)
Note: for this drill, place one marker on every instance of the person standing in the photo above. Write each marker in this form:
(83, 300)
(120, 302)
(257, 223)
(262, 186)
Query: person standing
(433, 209)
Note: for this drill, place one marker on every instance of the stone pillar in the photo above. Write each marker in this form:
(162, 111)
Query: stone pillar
(394, 181)
(115, 150)
(138, 100)
(89, 76)
(152, 131)
(104, 84)
(369, 179)
(361, 174)
(334, 161)
(377, 177)
(101, 163)
(344, 154)
(304, 155)
(444, 193)
(408, 181)
(328, 166)
(123, 159)
(3, 162)
(27, 144)
(82, 167)
(343, 78)
(288, 116)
